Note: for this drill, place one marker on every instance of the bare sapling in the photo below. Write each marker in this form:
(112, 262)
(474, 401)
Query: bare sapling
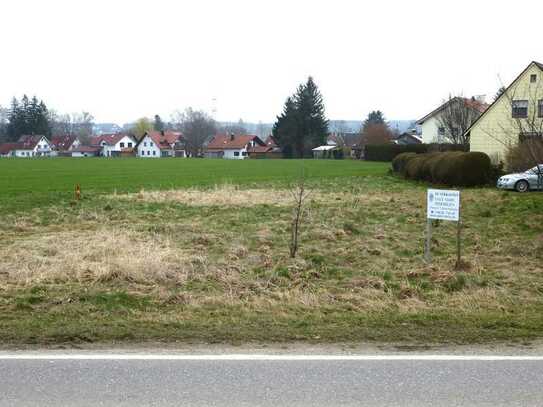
(299, 195)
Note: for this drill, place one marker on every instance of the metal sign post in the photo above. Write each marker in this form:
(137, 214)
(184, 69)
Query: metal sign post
(444, 205)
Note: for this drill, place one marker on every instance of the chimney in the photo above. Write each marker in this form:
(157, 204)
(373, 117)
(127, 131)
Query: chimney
(232, 137)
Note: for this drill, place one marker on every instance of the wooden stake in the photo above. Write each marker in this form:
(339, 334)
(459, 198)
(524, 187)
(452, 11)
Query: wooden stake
(427, 248)
(458, 243)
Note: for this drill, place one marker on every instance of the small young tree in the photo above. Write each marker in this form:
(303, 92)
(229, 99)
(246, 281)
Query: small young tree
(299, 195)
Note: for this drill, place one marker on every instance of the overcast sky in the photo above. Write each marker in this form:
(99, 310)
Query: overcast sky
(121, 60)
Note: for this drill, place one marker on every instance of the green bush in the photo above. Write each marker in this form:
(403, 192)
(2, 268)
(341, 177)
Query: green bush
(400, 161)
(413, 168)
(448, 168)
(387, 152)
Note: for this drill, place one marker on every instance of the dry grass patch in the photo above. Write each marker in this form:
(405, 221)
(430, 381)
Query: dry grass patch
(101, 256)
(231, 195)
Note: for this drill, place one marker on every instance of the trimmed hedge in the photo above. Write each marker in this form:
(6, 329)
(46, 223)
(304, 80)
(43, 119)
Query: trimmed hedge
(450, 168)
(387, 152)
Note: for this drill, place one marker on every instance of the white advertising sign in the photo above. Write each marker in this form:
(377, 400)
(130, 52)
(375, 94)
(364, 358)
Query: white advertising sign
(443, 204)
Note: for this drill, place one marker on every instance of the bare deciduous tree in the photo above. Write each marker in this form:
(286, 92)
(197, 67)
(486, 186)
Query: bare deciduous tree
(456, 117)
(299, 195)
(75, 124)
(197, 128)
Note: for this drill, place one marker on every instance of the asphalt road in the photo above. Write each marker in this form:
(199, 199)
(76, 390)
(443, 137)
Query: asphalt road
(262, 382)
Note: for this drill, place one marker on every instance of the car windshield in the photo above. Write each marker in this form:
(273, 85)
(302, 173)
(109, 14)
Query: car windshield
(535, 170)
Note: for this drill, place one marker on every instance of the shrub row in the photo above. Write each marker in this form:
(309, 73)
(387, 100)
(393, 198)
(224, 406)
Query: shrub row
(450, 168)
(387, 152)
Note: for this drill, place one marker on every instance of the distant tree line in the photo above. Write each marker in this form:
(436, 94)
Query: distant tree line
(32, 117)
(302, 125)
(27, 116)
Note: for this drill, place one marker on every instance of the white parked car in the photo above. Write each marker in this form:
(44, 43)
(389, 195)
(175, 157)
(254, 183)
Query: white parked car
(523, 181)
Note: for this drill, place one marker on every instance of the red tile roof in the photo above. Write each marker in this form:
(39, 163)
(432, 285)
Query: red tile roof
(260, 149)
(270, 141)
(476, 104)
(62, 143)
(231, 142)
(468, 102)
(87, 149)
(7, 147)
(29, 142)
(109, 139)
(166, 140)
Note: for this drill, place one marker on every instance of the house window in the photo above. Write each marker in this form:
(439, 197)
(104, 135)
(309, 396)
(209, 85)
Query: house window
(236, 153)
(150, 144)
(148, 152)
(144, 144)
(244, 153)
(533, 78)
(520, 109)
(129, 145)
(121, 145)
(441, 131)
(540, 108)
(154, 152)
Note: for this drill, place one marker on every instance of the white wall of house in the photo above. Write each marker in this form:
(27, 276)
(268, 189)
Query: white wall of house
(75, 144)
(240, 154)
(147, 148)
(430, 131)
(111, 150)
(24, 153)
(43, 148)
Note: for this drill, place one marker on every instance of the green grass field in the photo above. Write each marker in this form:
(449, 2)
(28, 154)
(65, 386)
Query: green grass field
(27, 184)
(198, 251)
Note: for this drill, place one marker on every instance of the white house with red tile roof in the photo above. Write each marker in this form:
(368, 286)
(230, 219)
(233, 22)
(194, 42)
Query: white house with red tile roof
(64, 144)
(234, 147)
(432, 131)
(27, 146)
(113, 145)
(156, 144)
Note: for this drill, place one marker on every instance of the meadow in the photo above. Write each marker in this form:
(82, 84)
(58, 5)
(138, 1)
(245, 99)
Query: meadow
(27, 184)
(197, 251)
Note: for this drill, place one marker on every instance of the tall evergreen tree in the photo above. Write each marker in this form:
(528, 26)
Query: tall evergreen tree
(28, 117)
(313, 126)
(285, 129)
(302, 125)
(158, 124)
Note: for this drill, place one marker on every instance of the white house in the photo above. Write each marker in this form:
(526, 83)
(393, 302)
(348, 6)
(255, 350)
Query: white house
(230, 146)
(27, 146)
(114, 145)
(155, 144)
(64, 144)
(432, 130)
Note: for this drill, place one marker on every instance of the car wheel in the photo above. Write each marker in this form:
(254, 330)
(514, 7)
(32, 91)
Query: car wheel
(522, 186)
